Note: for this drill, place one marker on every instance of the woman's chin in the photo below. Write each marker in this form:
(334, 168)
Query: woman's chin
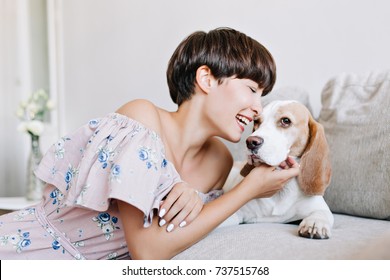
(234, 138)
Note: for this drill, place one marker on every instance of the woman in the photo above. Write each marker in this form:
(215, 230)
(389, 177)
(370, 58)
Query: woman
(107, 180)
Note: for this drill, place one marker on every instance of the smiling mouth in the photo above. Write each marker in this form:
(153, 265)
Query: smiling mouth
(243, 120)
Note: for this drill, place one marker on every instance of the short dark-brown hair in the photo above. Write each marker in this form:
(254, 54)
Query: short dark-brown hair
(227, 52)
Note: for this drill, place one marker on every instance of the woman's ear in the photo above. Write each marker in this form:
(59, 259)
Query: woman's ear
(204, 78)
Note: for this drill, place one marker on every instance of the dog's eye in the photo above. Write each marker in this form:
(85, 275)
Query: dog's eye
(285, 122)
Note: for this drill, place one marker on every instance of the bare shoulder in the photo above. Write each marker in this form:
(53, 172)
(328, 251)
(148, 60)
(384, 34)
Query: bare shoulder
(142, 111)
(219, 159)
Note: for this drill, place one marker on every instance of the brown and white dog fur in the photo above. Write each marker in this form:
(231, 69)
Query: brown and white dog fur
(286, 128)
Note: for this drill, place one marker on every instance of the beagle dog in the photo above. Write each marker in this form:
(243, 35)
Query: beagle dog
(286, 128)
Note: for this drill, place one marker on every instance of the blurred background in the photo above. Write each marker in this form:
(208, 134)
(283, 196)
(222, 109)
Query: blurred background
(91, 56)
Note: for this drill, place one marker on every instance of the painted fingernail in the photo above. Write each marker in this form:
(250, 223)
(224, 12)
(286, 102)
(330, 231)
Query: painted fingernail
(170, 227)
(162, 213)
(162, 222)
(183, 224)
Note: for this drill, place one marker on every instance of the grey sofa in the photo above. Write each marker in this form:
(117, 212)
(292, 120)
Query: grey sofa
(355, 113)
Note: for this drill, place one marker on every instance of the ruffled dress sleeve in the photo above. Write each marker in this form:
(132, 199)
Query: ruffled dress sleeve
(110, 158)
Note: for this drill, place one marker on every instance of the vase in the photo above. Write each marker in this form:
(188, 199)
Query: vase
(34, 184)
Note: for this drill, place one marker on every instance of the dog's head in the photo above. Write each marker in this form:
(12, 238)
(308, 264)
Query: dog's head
(286, 128)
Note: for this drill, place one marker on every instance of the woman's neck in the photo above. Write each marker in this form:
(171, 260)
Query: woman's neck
(185, 133)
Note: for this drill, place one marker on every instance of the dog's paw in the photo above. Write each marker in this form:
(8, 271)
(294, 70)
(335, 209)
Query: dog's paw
(314, 228)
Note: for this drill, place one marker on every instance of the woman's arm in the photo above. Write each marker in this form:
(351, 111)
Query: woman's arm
(155, 242)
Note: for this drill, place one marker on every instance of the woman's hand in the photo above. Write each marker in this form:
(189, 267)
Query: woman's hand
(265, 181)
(180, 208)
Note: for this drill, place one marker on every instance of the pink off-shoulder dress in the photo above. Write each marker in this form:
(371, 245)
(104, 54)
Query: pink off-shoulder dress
(86, 172)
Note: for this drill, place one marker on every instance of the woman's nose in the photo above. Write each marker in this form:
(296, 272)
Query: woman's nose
(256, 107)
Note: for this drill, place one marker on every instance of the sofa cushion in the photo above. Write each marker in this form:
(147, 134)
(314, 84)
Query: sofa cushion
(352, 238)
(355, 115)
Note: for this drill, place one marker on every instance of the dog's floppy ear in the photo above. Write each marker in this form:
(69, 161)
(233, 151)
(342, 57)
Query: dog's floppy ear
(246, 169)
(315, 173)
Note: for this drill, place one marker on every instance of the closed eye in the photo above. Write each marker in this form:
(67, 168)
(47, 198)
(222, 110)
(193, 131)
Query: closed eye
(253, 89)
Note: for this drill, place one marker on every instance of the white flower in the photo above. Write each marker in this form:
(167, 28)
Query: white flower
(40, 94)
(20, 113)
(23, 104)
(35, 127)
(33, 112)
(50, 104)
(22, 127)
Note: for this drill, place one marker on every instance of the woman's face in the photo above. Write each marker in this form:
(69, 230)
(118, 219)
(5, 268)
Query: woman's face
(233, 104)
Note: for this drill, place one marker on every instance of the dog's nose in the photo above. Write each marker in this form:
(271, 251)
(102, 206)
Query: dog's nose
(254, 142)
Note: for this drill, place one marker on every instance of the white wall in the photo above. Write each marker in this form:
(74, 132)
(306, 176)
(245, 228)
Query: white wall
(23, 69)
(108, 52)
(118, 50)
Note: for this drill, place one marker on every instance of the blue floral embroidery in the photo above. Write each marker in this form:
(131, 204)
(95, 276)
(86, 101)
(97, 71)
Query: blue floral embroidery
(149, 156)
(60, 147)
(105, 155)
(112, 256)
(25, 242)
(116, 170)
(70, 174)
(19, 241)
(136, 129)
(93, 123)
(143, 154)
(115, 173)
(80, 198)
(164, 163)
(53, 170)
(93, 136)
(22, 214)
(106, 223)
(56, 245)
(57, 196)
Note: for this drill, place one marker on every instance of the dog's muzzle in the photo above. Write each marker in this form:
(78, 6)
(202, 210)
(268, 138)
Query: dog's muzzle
(253, 143)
